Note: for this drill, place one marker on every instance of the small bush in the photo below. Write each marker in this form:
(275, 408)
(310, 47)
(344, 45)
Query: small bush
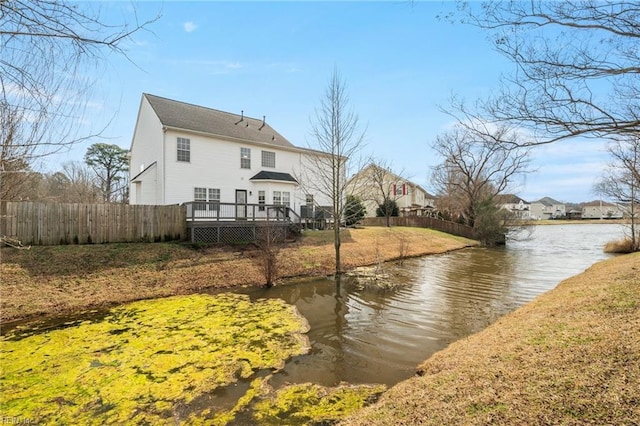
(619, 246)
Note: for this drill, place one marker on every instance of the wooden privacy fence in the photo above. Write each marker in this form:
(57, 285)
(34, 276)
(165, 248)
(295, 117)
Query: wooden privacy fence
(422, 222)
(57, 223)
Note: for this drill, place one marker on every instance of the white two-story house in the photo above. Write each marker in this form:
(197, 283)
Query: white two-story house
(182, 152)
(514, 204)
(547, 208)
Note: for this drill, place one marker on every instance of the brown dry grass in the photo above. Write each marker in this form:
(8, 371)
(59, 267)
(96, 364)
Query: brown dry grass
(570, 357)
(625, 245)
(63, 279)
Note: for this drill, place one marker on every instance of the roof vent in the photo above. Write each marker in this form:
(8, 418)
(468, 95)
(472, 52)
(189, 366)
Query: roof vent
(241, 118)
(264, 119)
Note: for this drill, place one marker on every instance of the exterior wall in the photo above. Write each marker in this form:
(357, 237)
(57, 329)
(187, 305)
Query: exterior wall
(306, 171)
(604, 211)
(146, 147)
(146, 190)
(542, 211)
(538, 211)
(215, 164)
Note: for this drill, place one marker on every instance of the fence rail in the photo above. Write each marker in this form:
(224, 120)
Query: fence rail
(65, 223)
(423, 222)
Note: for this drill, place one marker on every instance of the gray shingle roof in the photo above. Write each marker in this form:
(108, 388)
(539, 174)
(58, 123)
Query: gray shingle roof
(264, 175)
(214, 122)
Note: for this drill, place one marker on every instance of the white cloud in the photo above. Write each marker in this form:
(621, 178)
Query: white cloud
(189, 26)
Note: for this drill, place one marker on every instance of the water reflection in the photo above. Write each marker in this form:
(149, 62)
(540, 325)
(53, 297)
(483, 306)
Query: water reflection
(373, 335)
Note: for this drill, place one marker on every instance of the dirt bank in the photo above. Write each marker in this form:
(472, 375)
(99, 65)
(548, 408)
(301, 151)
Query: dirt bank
(62, 279)
(572, 356)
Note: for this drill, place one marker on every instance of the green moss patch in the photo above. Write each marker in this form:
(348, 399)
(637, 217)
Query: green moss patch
(308, 403)
(146, 362)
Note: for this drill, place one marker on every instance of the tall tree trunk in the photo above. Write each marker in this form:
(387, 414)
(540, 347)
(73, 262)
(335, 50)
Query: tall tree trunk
(336, 244)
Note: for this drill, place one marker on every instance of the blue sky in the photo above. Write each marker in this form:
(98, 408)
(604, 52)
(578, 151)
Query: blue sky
(274, 58)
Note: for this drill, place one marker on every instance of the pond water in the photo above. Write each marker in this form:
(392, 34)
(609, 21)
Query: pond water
(370, 335)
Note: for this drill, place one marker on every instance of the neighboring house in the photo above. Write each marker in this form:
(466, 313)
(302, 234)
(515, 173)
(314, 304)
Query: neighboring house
(630, 210)
(547, 208)
(599, 209)
(182, 152)
(373, 183)
(514, 204)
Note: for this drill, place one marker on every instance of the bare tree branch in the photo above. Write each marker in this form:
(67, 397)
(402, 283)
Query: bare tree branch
(49, 53)
(576, 67)
(477, 168)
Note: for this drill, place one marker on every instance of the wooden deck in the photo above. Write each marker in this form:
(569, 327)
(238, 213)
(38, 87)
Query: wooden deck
(210, 222)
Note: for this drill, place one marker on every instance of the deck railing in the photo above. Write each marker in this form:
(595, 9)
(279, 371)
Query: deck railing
(207, 211)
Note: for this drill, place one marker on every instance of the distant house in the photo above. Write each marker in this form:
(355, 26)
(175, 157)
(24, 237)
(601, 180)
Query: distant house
(514, 204)
(599, 209)
(411, 198)
(182, 152)
(547, 208)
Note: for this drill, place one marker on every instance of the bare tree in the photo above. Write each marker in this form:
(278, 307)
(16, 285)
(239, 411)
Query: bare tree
(49, 51)
(475, 169)
(336, 132)
(269, 240)
(621, 182)
(577, 67)
(14, 157)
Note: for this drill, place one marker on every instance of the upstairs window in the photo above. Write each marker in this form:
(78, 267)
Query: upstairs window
(245, 158)
(268, 159)
(184, 149)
